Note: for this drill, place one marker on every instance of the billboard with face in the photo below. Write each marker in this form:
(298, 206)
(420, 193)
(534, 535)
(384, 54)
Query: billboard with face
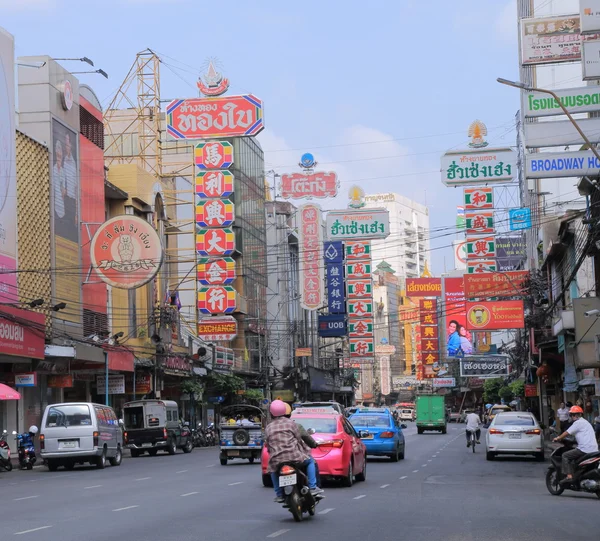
(458, 338)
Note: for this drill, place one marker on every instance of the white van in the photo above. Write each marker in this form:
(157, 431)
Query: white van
(79, 432)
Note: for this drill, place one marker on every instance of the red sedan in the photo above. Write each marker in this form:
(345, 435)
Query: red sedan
(340, 455)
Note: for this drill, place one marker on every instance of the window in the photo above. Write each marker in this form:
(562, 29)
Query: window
(69, 415)
(320, 426)
(169, 415)
(134, 417)
(514, 420)
(379, 421)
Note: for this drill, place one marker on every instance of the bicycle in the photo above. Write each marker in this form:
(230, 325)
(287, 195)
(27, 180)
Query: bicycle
(472, 439)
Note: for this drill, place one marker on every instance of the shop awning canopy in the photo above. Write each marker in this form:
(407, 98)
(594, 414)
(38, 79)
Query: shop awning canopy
(8, 393)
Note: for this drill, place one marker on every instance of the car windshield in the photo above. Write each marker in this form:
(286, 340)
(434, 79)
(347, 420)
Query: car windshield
(69, 415)
(514, 420)
(320, 426)
(496, 411)
(370, 420)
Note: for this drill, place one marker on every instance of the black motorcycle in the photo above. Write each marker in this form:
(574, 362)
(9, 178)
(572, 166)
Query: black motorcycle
(294, 483)
(586, 477)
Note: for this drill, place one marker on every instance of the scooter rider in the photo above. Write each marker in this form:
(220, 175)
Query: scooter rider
(284, 442)
(586, 442)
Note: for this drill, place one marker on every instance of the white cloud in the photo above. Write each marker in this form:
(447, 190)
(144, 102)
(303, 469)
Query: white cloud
(507, 23)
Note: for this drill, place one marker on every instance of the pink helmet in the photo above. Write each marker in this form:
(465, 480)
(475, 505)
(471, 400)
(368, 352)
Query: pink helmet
(277, 408)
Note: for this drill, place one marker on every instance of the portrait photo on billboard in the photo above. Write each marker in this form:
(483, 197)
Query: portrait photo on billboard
(65, 182)
(458, 338)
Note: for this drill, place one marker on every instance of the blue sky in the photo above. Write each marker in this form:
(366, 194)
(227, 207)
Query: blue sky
(376, 90)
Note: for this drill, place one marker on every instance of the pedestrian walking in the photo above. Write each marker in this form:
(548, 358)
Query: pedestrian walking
(563, 417)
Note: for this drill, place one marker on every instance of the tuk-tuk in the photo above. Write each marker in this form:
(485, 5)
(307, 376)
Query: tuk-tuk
(241, 433)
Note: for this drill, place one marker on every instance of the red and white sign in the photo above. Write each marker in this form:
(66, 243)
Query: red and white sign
(213, 272)
(311, 257)
(213, 155)
(215, 242)
(359, 289)
(214, 184)
(479, 267)
(480, 223)
(478, 198)
(126, 252)
(302, 185)
(218, 329)
(209, 118)
(216, 300)
(358, 250)
(215, 213)
(22, 332)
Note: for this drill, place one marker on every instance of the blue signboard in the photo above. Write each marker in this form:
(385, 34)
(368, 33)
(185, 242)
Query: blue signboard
(334, 325)
(519, 219)
(333, 252)
(336, 291)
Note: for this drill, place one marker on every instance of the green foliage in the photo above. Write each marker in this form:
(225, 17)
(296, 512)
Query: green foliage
(253, 395)
(518, 388)
(224, 383)
(190, 386)
(505, 393)
(491, 390)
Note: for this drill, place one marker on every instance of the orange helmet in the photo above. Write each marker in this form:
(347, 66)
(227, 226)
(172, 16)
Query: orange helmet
(576, 409)
(288, 409)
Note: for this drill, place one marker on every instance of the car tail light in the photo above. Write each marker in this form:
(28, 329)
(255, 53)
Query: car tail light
(386, 435)
(96, 436)
(534, 431)
(165, 435)
(125, 437)
(337, 444)
(495, 431)
(42, 442)
(287, 470)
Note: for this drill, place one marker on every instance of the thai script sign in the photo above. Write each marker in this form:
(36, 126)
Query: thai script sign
(215, 242)
(480, 222)
(510, 252)
(303, 185)
(481, 248)
(207, 118)
(358, 224)
(470, 167)
(116, 384)
(216, 300)
(562, 164)
(489, 316)
(482, 366)
(444, 382)
(218, 328)
(576, 100)
(495, 284)
(423, 287)
(478, 198)
(214, 184)
(560, 133)
(212, 272)
(213, 155)
(311, 257)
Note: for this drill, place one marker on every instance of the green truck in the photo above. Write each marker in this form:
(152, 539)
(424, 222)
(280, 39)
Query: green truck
(431, 413)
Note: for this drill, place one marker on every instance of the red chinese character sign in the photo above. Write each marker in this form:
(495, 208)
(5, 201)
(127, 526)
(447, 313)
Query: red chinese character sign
(216, 271)
(481, 248)
(211, 184)
(361, 347)
(126, 252)
(311, 257)
(215, 213)
(358, 250)
(303, 185)
(215, 242)
(213, 155)
(216, 300)
(208, 118)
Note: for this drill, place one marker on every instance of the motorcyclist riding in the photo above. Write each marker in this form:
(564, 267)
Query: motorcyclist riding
(473, 425)
(285, 443)
(586, 442)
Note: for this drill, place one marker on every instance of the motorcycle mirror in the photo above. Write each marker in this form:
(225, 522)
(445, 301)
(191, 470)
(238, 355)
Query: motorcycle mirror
(311, 431)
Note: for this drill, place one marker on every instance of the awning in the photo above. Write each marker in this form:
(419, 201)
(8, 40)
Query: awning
(588, 381)
(200, 371)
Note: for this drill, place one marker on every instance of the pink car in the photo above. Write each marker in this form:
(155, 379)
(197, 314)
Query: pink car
(341, 453)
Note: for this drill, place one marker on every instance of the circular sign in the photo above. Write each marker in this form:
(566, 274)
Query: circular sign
(461, 252)
(479, 316)
(307, 160)
(67, 95)
(126, 252)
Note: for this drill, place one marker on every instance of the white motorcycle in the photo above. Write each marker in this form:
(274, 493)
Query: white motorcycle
(5, 462)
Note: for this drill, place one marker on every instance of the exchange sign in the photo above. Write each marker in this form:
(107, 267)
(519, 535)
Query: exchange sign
(218, 328)
(214, 184)
(215, 242)
(215, 213)
(213, 272)
(209, 118)
(216, 300)
(358, 224)
(484, 366)
(214, 155)
(303, 185)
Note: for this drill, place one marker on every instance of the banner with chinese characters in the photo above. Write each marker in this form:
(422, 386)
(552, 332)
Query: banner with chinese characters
(216, 271)
(333, 255)
(481, 247)
(311, 257)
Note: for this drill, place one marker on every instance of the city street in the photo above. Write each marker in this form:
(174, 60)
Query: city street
(440, 491)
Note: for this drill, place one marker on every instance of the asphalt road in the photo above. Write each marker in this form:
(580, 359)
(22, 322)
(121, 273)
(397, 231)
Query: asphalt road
(440, 491)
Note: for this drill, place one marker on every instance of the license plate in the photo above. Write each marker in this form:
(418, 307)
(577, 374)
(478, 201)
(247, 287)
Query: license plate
(287, 480)
(68, 444)
(514, 436)
(146, 445)
(234, 453)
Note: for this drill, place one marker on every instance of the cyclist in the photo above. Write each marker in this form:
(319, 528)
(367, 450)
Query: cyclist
(473, 425)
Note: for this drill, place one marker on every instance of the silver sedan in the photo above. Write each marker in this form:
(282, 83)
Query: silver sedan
(514, 433)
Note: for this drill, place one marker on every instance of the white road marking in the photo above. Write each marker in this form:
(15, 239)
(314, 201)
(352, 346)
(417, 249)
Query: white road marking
(325, 511)
(423, 465)
(403, 477)
(384, 486)
(93, 486)
(238, 483)
(211, 466)
(33, 530)
(181, 471)
(143, 478)
(25, 498)
(429, 460)
(188, 494)
(415, 471)
(125, 508)
(277, 533)
(359, 497)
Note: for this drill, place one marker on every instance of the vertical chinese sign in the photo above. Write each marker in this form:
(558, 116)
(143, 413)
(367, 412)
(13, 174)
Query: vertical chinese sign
(480, 243)
(215, 238)
(333, 253)
(430, 337)
(311, 257)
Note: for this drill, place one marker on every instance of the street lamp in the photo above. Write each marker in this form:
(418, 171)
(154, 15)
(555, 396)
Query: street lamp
(523, 86)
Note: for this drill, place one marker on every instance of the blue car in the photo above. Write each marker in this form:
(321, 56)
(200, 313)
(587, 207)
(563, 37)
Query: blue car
(379, 432)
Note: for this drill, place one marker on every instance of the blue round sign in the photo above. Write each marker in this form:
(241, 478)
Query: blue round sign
(384, 341)
(307, 160)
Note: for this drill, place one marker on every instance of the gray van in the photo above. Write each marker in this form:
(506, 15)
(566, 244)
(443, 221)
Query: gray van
(78, 432)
